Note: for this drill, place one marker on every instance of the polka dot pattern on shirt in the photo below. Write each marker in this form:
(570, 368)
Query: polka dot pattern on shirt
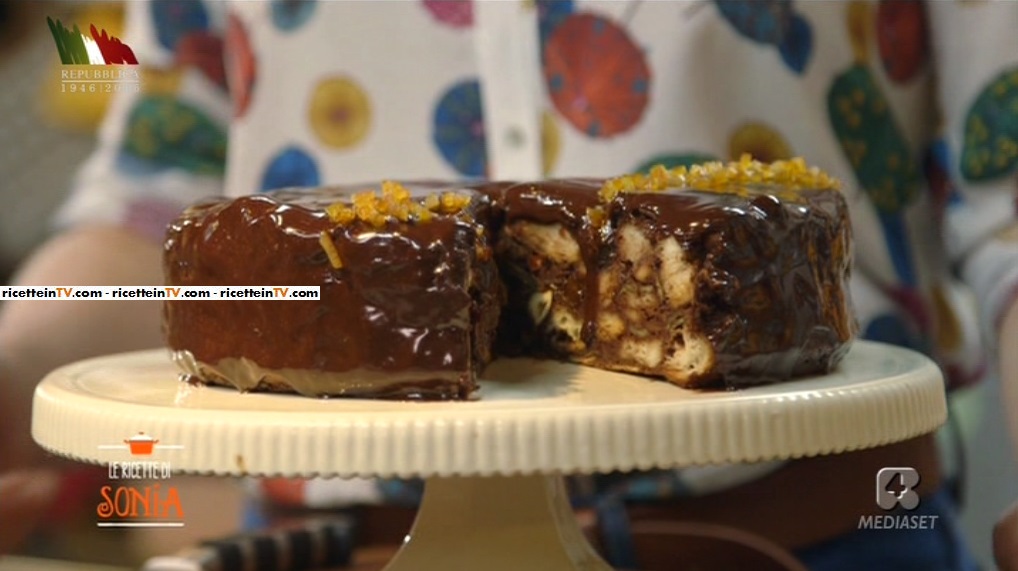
(454, 13)
(339, 112)
(175, 134)
(759, 140)
(902, 38)
(772, 22)
(991, 130)
(290, 167)
(175, 19)
(458, 128)
(241, 65)
(288, 15)
(598, 78)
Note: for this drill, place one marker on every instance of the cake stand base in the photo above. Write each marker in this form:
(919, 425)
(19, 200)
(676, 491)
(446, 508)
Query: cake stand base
(496, 523)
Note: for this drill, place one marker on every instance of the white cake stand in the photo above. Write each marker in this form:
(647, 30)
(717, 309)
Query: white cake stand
(494, 497)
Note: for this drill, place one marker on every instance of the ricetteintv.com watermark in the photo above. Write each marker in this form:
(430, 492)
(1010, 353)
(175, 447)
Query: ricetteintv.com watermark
(896, 488)
(122, 293)
(139, 493)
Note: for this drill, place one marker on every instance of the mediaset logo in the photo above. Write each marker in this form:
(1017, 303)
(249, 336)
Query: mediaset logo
(97, 62)
(896, 487)
(130, 504)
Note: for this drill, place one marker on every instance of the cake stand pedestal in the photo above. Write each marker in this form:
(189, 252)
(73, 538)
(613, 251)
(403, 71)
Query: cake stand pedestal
(498, 522)
(494, 497)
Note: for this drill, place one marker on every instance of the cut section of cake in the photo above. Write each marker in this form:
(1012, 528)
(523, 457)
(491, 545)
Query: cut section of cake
(719, 275)
(410, 296)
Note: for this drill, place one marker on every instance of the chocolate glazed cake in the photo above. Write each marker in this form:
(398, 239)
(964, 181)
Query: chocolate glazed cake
(723, 275)
(410, 295)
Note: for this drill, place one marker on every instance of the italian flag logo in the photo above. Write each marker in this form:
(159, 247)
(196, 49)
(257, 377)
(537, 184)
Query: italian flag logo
(95, 48)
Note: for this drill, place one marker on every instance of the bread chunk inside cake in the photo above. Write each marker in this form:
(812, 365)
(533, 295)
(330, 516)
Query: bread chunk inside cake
(722, 275)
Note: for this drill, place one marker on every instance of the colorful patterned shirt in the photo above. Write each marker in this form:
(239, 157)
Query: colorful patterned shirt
(913, 105)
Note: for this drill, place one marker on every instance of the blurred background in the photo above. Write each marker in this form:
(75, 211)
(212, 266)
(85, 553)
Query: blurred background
(46, 134)
(43, 136)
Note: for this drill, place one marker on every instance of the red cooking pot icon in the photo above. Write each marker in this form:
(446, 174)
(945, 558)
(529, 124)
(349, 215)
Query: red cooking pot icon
(141, 444)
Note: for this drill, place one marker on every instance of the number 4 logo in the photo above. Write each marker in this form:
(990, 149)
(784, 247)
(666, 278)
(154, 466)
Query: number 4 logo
(896, 486)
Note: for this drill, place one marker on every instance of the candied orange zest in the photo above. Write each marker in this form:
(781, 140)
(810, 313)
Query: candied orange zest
(597, 216)
(452, 203)
(394, 202)
(731, 177)
(325, 239)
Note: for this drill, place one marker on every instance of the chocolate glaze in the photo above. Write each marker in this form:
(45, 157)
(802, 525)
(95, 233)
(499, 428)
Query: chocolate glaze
(419, 303)
(411, 300)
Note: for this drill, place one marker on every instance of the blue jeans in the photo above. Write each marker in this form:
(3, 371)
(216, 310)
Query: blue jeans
(941, 548)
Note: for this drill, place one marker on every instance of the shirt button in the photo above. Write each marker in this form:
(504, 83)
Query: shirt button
(515, 138)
